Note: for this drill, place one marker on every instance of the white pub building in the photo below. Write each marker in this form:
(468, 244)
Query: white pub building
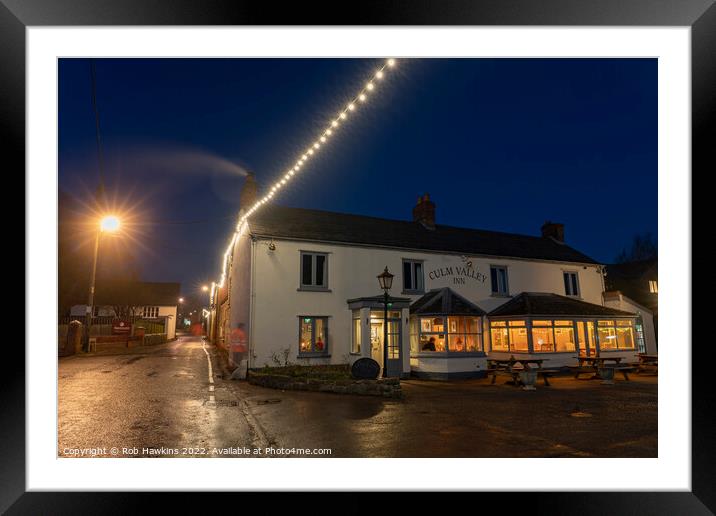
(302, 285)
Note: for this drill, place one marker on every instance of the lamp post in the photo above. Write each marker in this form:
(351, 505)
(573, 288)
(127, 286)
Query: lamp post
(385, 279)
(109, 224)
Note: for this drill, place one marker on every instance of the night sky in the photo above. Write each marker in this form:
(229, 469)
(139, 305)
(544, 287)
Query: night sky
(500, 144)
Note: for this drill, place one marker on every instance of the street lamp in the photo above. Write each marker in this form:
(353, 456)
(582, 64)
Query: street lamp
(205, 288)
(109, 224)
(181, 299)
(385, 279)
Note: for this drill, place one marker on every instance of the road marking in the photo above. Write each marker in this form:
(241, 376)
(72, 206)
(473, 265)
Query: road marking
(208, 359)
(212, 399)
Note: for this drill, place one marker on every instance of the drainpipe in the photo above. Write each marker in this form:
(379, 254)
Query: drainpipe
(252, 297)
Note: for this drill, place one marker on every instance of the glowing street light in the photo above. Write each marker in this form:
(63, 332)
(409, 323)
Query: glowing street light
(205, 288)
(181, 299)
(109, 224)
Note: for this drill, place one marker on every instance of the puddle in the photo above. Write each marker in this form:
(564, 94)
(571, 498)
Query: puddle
(268, 401)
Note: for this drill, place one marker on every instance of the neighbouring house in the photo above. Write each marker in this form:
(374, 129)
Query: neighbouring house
(634, 286)
(303, 286)
(148, 301)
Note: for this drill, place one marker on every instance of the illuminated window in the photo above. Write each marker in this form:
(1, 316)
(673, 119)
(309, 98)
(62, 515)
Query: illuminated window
(616, 335)
(653, 288)
(512, 338)
(518, 339)
(542, 338)
(564, 338)
(313, 335)
(571, 284)
(453, 334)
(499, 338)
(355, 343)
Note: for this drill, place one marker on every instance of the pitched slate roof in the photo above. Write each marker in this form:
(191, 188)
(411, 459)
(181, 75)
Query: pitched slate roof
(316, 225)
(136, 293)
(546, 304)
(443, 301)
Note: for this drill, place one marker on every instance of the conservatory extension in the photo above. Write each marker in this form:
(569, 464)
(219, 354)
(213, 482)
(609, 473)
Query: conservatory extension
(558, 328)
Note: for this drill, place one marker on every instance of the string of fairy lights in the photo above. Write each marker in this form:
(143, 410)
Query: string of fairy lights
(305, 157)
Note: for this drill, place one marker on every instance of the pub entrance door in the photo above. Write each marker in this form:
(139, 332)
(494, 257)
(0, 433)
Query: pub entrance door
(395, 339)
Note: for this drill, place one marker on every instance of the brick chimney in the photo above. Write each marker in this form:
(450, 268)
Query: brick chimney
(553, 230)
(248, 195)
(424, 212)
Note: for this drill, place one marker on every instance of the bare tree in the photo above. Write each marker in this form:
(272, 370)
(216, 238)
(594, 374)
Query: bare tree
(643, 247)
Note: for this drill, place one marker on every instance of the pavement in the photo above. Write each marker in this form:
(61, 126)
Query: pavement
(160, 402)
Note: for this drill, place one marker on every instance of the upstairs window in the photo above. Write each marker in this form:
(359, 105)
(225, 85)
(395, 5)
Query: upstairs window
(571, 284)
(653, 288)
(413, 276)
(498, 275)
(314, 271)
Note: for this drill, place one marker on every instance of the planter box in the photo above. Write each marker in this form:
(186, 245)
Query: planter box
(387, 388)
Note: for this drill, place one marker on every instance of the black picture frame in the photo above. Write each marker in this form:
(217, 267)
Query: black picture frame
(700, 15)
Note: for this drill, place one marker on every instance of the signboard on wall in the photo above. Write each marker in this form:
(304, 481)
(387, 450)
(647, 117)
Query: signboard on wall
(458, 274)
(121, 327)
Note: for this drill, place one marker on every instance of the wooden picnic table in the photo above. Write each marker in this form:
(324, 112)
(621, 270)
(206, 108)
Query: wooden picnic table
(509, 366)
(645, 361)
(645, 358)
(597, 362)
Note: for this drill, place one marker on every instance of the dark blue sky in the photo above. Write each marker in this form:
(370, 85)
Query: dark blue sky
(501, 144)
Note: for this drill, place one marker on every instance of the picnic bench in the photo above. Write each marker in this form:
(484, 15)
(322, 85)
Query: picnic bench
(647, 362)
(512, 367)
(593, 364)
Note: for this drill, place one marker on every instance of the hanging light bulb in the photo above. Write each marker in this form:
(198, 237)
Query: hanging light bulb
(241, 225)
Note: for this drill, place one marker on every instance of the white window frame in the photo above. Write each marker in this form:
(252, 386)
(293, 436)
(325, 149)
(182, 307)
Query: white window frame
(314, 270)
(326, 343)
(578, 293)
(417, 282)
(500, 293)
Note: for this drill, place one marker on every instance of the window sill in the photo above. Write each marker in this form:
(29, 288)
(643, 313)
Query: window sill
(313, 289)
(500, 295)
(314, 355)
(412, 292)
(446, 354)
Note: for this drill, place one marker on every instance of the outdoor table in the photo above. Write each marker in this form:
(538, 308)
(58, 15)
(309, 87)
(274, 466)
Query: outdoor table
(596, 362)
(647, 360)
(508, 365)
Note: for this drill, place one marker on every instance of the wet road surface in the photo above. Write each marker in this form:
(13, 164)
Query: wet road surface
(159, 399)
(163, 400)
(572, 418)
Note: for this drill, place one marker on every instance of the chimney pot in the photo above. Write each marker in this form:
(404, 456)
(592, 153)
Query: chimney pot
(249, 192)
(424, 212)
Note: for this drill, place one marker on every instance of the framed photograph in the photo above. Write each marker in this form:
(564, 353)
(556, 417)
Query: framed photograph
(180, 159)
